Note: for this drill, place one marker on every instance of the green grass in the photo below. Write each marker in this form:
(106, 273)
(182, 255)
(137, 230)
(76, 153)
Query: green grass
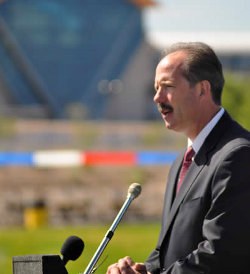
(136, 240)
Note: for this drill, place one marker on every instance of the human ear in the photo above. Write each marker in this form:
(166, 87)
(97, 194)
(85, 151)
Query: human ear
(205, 87)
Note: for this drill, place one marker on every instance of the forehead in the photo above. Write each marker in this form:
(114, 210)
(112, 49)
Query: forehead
(170, 65)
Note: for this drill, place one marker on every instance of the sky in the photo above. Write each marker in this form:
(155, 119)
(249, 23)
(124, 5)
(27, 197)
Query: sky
(221, 21)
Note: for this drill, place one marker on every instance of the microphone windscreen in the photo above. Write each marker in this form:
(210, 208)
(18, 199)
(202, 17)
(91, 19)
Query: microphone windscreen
(72, 248)
(134, 190)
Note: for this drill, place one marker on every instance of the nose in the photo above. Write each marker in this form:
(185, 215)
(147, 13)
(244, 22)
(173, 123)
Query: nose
(159, 96)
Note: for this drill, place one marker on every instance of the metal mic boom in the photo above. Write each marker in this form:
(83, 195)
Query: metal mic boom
(133, 192)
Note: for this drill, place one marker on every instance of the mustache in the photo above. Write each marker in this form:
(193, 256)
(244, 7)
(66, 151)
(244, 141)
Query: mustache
(164, 107)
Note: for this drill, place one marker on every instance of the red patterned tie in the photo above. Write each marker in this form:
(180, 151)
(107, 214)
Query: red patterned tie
(187, 161)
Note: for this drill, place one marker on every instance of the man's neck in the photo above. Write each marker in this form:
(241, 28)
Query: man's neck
(203, 121)
(200, 138)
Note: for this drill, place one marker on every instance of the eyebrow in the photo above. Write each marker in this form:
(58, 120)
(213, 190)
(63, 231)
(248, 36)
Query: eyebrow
(165, 82)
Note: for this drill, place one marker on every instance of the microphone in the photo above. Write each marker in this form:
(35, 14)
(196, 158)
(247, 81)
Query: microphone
(72, 249)
(134, 191)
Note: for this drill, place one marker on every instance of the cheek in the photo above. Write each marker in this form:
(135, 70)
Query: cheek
(190, 99)
(185, 107)
(171, 98)
(192, 108)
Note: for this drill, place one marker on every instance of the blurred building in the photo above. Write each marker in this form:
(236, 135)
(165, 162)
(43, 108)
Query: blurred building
(75, 59)
(224, 25)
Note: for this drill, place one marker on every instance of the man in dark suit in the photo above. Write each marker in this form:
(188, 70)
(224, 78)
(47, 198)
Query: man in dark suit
(206, 212)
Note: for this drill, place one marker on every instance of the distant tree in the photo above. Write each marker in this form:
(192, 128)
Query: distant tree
(236, 97)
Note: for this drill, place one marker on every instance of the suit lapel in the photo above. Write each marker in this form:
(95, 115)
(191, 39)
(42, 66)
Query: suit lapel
(189, 179)
(170, 194)
(200, 160)
(171, 187)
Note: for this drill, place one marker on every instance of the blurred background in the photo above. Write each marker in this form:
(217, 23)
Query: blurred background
(77, 120)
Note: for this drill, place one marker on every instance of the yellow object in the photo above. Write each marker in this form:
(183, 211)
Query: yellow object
(144, 3)
(35, 216)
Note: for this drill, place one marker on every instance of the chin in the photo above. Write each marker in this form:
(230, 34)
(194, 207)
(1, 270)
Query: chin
(167, 125)
(170, 126)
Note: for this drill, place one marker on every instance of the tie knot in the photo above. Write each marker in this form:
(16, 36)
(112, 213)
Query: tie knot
(187, 161)
(189, 154)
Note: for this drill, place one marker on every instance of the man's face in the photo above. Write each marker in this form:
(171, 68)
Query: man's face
(176, 99)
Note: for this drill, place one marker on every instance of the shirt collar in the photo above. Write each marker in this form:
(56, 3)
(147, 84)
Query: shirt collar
(199, 140)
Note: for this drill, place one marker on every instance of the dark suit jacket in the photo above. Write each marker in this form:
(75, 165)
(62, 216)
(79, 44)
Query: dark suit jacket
(206, 228)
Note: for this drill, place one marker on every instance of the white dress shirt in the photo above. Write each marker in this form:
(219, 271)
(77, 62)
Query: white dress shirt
(199, 140)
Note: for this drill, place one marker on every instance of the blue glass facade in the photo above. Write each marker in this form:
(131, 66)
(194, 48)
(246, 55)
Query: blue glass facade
(61, 50)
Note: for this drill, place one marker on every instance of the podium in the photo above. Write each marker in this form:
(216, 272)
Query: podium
(49, 264)
(38, 264)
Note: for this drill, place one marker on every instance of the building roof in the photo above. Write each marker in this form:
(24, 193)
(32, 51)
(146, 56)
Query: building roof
(143, 3)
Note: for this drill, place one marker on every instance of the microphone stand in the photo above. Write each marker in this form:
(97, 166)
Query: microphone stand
(90, 268)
